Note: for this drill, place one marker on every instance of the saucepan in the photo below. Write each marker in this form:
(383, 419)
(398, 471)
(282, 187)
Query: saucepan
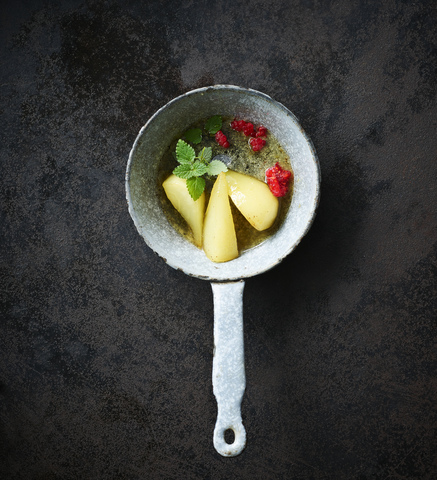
(227, 279)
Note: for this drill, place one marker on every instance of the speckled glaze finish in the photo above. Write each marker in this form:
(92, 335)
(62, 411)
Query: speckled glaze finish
(228, 376)
(168, 122)
(145, 209)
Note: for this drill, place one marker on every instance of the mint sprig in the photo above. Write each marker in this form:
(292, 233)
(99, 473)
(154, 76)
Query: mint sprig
(184, 153)
(196, 186)
(188, 170)
(213, 124)
(193, 168)
(194, 135)
(216, 166)
(205, 155)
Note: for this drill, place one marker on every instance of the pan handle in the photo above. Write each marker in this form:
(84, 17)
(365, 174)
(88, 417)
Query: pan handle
(228, 376)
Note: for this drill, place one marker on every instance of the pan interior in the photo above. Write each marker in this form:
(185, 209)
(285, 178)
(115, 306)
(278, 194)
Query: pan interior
(165, 125)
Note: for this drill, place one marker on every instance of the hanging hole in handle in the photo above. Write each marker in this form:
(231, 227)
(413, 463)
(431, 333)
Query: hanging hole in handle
(221, 438)
(229, 436)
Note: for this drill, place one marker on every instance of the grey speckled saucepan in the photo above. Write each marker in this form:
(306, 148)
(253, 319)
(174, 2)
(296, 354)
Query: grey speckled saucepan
(227, 279)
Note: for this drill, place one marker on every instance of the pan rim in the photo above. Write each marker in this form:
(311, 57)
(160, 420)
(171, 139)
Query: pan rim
(239, 274)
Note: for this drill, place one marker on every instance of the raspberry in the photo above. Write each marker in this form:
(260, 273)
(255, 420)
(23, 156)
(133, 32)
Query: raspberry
(257, 144)
(261, 131)
(249, 130)
(278, 180)
(275, 187)
(238, 125)
(221, 139)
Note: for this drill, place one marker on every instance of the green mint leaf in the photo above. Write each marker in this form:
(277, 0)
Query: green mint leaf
(184, 171)
(196, 186)
(184, 153)
(216, 167)
(194, 135)
(205, 155)
(214, 124)
(199, 168)
(189, 170)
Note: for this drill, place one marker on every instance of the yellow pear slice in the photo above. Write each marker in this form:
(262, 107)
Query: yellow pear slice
(191, 210)
(253, 198)
(219, 238)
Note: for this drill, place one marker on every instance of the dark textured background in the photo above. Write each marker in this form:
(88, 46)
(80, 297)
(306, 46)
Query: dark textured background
(106, 352)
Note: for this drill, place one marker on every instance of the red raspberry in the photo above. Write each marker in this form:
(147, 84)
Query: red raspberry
(249, 130)
(261, 131)
(278, 180)
(238, 125)
(257, 144)
(275, 187)
(221, 139)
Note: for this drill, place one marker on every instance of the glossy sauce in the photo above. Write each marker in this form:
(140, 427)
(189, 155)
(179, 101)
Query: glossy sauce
(243, 160)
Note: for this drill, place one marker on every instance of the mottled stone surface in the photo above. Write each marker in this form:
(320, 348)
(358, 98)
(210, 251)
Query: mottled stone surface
(106, 352)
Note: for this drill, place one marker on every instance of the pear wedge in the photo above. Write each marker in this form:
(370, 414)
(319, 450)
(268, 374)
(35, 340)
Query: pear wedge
(219, 238)
(253, 198)
(192, 211)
